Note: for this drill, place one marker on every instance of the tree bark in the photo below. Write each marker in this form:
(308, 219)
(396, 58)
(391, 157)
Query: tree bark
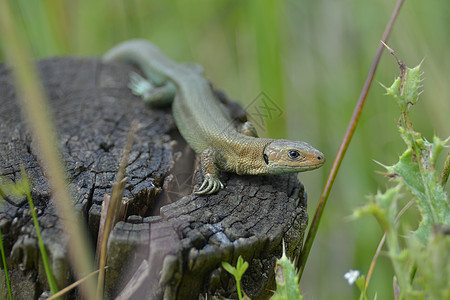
(175, 239)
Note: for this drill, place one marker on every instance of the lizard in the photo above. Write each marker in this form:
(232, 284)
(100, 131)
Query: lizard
(205, 124)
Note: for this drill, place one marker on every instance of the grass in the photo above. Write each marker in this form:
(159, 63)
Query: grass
(19, 189)
(5, 267)
(322, 54)
(46, 262)
(33, 105)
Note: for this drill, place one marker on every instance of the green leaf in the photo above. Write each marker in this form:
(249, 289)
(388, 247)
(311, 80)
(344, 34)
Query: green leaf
(238, 272)
(383, 206)
(287, 280)
(405, 88)
(229, 268)
(423, 183)
(14, 189)
(436, 149)
(241, 267)
(424, 260)
(433, 264)
(45, 260)
(361, 284)
(412, 83)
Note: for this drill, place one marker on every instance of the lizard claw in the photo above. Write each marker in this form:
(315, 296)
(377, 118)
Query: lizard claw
(138, 85)
(210, 185)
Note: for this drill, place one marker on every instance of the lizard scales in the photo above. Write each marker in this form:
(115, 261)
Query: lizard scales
(206, 126)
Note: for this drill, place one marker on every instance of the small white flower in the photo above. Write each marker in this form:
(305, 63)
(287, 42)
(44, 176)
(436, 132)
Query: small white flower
(351, 276)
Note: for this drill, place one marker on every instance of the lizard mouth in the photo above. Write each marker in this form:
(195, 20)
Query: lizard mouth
(293, 168)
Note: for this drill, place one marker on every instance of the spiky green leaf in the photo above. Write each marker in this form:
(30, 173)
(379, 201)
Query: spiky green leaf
(405, 88)
(287, 280)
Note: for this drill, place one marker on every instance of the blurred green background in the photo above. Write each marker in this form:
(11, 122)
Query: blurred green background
(311, 57)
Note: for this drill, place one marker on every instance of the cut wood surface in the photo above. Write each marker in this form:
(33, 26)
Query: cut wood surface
(172, 242)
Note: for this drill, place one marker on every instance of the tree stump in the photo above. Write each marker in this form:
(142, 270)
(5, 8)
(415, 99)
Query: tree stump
(172, 242)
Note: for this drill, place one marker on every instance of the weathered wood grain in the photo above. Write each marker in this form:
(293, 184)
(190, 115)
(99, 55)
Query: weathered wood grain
(183, 237)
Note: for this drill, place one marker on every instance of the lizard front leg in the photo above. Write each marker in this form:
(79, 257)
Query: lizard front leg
(211, 182)
(248, 129)
(154, 95)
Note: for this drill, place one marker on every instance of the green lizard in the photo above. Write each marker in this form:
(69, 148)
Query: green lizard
(205, 125)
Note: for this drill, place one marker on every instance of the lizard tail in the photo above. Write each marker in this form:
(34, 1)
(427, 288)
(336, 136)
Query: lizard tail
(144, 54)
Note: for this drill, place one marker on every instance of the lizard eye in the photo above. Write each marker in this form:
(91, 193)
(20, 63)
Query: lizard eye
(266, 159)
(294, 154)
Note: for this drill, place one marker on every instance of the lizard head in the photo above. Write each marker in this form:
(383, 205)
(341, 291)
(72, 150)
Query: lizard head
(285, 156)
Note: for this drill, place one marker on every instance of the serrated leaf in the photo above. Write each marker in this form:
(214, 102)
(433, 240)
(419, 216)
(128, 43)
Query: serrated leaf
(393, 90)
(383, 206)
(287, 279)
(412, 84)
(407, 170)
(424, 184)
(424, 261)
(388, 203)
(436, 149)
(406, 89)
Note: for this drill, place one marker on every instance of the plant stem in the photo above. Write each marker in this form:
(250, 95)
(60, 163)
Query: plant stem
(344, 144)
(2, 250)
(34, 108)
(238, 286)
(45, 261)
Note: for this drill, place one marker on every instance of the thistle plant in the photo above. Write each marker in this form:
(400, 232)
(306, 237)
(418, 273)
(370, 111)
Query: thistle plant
(420, 257)
(286, 277)
(287, 280)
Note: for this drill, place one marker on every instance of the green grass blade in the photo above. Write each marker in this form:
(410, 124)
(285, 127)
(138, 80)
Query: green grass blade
(48, 270)
(2, 250)
(345, 143)
(265, 19)
(34, 108)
